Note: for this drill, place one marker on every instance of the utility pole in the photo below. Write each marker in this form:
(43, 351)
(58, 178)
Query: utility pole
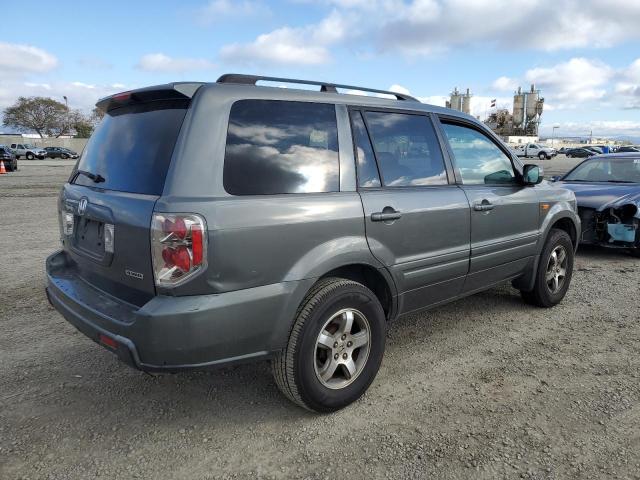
(66, 104)
(553, 133)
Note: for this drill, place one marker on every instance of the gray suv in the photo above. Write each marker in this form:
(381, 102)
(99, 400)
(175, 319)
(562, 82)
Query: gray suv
(213, 223)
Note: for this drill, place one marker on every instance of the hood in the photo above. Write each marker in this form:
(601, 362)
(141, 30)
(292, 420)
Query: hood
(602, 195)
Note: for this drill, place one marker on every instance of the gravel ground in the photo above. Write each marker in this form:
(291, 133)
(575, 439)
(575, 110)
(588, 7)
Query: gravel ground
(486, 387)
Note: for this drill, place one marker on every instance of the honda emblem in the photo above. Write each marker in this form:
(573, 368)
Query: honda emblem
(82, 206)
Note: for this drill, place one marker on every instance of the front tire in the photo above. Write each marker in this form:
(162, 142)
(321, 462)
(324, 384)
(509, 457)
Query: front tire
(29, 156)
(554, 272)
(335, 347)
(64, 156)
(542, 156)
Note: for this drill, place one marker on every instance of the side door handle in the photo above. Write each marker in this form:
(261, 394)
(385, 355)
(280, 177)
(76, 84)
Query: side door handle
(483, 206)
(386, 215)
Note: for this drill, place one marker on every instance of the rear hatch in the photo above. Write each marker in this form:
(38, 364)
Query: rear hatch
(112, 191)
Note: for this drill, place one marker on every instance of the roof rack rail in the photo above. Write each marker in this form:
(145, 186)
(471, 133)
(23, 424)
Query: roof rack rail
(324, 86)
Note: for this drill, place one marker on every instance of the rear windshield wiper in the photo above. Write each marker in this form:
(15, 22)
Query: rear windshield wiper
(96, 177)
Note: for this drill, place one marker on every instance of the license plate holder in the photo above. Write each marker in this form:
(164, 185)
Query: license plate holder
(89, 237)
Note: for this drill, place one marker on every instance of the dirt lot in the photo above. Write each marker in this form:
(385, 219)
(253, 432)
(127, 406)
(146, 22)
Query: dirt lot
(483, 388)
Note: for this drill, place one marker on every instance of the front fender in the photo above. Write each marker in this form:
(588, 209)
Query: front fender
(557, 212)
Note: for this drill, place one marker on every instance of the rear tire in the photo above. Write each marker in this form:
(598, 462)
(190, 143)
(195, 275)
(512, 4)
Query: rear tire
(542, 156)
(554, 272)
(335, 347)
(64, 156)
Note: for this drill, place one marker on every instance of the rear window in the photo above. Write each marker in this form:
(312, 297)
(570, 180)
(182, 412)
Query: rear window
(132, 146)
(276, 147)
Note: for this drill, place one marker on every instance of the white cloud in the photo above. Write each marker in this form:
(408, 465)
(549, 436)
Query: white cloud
(81, 95)
(159, 62)
(399, 89)
(427, 27)
(582, 81)
(575, 81)
(290, 46)
(504, 84)
(218, 10)
(22, 59)
(628, 86)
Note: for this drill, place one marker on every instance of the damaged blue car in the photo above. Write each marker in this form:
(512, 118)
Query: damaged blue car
(607, 189)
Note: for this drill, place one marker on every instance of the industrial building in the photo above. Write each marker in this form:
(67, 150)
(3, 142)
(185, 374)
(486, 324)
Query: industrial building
(460, 101)
(523, 121)
(519, 126)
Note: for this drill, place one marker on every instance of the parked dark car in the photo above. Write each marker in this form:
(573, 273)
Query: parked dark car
(595, 149)
(60, 152)
(628, 149)
(579, 153)
(240, 222)
(607, 188)
(563, 150)
(9, 158)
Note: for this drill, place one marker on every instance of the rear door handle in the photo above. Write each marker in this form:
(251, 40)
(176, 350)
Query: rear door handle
(483, 206)
(386, 215)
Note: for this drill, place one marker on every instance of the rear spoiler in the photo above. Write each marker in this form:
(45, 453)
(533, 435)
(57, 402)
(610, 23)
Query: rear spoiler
(169, 91)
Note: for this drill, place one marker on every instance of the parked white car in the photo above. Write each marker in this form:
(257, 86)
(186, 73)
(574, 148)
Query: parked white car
(534, 150)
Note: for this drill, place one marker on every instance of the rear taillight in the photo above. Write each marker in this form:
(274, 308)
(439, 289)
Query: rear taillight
(179, 246)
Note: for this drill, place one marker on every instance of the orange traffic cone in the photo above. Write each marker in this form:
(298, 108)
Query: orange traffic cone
(2, 169)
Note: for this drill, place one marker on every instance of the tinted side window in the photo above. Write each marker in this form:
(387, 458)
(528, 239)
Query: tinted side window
(407, 149)
(281, 147)
(367, 170)
(479, 160)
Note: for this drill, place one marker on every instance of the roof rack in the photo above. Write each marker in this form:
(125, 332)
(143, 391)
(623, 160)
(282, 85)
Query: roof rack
(324, 86)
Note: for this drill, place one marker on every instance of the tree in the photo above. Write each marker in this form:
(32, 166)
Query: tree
(97, 114)
(45, 116)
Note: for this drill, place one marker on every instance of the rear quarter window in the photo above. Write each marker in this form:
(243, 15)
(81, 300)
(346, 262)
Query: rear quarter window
(278, 147)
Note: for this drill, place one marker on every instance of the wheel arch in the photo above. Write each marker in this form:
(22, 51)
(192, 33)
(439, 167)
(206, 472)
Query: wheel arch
(566, 224)
(377, 280)
(560, 217)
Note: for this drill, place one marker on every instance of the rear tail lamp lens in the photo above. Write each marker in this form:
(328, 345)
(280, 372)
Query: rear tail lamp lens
(179, 245)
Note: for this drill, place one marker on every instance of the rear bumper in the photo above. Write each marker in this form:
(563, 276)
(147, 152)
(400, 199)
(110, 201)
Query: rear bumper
(177, 333)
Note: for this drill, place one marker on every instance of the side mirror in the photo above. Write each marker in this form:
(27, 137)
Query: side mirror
(532, 174)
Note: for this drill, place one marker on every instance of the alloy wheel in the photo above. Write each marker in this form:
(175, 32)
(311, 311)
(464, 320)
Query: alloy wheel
(342, 348)
(556, 269)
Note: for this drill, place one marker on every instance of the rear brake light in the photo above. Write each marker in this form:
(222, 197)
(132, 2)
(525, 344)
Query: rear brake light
(122, 97)
(178, 244)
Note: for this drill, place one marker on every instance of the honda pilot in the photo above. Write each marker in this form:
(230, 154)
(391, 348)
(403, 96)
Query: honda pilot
(207, 224)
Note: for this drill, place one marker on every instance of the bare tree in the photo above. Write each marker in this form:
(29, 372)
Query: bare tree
(45, 116)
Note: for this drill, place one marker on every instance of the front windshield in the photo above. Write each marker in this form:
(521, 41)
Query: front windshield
(618, 170)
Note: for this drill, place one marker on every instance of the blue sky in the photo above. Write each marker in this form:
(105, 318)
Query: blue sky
(584, 55)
